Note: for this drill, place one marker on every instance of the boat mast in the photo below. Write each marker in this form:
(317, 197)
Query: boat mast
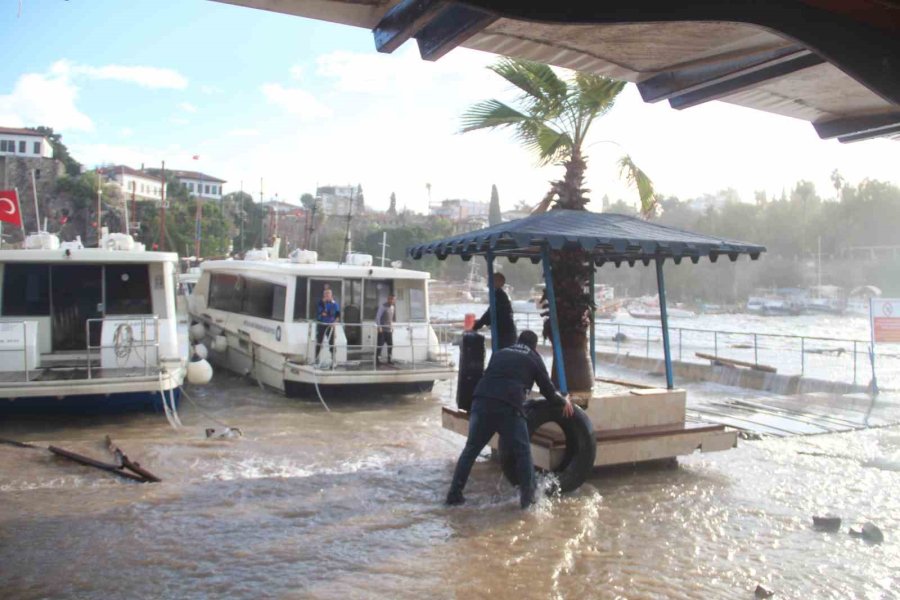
(348, 242)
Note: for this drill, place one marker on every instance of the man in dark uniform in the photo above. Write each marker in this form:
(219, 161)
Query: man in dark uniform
(328, 312)
(506, 327)
(497, 407)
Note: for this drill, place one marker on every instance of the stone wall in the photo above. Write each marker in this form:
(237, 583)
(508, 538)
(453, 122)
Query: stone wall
(15, 172)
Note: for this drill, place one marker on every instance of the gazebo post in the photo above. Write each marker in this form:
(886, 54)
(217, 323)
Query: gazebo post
(554, 322)
(492, 300)
(593, 342)
(664, 318)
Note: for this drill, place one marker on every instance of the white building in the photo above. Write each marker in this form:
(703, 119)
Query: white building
(460, 210)
(336, 199)
(25, 143)
(142, 186)
(200, 184)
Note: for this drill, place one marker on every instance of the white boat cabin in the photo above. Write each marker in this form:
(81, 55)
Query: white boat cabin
(259, 318)
(78, 321)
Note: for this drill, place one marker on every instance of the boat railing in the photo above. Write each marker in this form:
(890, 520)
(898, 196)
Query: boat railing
(10, 356)
(366, 356)
(833, 359)
(129, 339)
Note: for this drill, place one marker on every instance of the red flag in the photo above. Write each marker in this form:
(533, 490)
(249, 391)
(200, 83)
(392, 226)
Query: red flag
(196, 157)
(9, 207)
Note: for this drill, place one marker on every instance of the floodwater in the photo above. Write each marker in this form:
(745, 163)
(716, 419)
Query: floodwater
(348, 504)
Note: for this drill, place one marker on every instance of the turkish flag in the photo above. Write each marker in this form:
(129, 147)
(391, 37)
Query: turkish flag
(9, 207)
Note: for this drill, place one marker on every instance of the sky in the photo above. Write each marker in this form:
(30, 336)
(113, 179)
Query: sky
(280, 104)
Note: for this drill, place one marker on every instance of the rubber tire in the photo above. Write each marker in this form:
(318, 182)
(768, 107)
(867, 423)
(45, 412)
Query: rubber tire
(581, 444)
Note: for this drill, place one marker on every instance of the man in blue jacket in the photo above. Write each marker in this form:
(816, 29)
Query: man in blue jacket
(497, 407)
(506, 326)
(328, 312)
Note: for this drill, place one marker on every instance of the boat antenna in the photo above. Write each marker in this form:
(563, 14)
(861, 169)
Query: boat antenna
(348, 242)
(384, 246)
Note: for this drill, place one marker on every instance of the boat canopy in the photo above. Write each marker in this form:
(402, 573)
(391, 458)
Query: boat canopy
(608, 237)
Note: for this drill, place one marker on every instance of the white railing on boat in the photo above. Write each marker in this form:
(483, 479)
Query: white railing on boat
(439, 359)
(133, 352)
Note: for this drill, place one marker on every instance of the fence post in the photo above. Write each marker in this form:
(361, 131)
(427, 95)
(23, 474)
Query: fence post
(802, 356)
(755, 351)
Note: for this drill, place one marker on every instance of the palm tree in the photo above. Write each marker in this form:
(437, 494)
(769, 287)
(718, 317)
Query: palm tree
(552, 116)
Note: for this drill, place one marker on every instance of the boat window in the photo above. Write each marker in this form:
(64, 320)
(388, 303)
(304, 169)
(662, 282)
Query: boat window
(225, 292)
(300, 300)
(417, 303)
(260, 299)
(316, 287)
(26, 290)
(376, 293)
(128, 290)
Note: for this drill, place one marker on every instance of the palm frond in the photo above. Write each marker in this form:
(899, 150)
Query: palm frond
(638, 179)
(489, 114)
(597, 94)
(543, 90)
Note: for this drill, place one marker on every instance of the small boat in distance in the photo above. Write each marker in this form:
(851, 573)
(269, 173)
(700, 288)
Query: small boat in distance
(257, 316)
(88, 329)
(648, 309)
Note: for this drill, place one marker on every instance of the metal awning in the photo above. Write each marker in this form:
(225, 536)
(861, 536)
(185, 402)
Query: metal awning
(608, 237)
(835, 63)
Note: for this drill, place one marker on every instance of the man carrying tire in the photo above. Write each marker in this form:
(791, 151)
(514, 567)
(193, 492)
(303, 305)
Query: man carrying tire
(497, 407)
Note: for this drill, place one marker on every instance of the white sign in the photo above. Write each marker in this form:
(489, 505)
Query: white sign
(884, 314)
(12, 336)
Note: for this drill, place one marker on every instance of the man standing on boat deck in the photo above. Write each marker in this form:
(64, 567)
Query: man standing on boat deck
(506, 327)
(384, 319)
(497, 407)
(328, 312)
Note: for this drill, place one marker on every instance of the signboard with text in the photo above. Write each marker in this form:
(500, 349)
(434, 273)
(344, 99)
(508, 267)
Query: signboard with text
(885, 316)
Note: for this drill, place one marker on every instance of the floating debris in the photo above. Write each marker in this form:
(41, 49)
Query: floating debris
(869, 532)
(762, 592)
(827, 523)
(226, 433)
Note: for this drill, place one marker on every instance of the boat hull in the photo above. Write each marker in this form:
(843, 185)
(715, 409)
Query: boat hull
(88, 404)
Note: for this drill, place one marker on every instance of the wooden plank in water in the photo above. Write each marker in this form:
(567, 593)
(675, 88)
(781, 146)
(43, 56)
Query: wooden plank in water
(122, 460)
(623, 383)
(732, 362)
(90, 462)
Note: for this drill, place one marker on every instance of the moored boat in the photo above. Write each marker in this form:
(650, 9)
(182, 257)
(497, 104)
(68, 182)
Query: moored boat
(88, 329)
(257, 316)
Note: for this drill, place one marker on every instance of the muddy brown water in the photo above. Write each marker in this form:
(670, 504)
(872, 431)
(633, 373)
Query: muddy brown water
(348, 505)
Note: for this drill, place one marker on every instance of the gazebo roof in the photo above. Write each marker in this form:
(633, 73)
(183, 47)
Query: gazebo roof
(608, 237)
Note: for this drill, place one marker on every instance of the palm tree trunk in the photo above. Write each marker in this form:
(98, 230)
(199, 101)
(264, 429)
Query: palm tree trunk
(571, 280)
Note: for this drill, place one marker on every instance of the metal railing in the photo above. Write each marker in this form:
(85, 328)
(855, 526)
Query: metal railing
(369, 353)
(833, 359)
(124, 342)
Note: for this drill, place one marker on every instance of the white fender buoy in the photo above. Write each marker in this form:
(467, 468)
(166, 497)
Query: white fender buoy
(199, 371)
(197, 331)
(201, 351)
(220, 343)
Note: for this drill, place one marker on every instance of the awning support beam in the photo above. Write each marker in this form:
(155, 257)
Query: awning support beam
(664, 318)
(554, 322)
(492, 300)
(593, 342)
(852, 126)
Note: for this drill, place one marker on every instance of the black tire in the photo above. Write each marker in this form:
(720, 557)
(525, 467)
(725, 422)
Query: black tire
(581, 444)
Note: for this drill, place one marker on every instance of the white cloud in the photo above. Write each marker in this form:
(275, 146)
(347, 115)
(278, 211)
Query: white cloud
(126, 132)
(295, 101)
(296, 71)
(179, 121)
(148, 77)
(210, 89)
(248, 132)
(187, 107)
(44, 99)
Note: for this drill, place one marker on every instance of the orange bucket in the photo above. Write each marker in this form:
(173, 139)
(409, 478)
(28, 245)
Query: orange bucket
(469, 323)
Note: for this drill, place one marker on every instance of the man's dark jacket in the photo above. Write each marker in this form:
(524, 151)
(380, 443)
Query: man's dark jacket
(506, 327)
(511, 374)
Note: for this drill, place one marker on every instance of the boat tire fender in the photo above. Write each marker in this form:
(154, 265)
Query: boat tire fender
(581, 444)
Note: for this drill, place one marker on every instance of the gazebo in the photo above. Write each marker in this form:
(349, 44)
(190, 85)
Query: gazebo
(606, 237)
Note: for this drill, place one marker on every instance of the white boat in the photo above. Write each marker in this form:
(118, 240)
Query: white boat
(648, 309)
(88, 329)
(256, 316)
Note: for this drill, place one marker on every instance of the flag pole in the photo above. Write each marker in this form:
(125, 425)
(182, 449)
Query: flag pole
(162, 211)
(37, 215)
(99, 208)
(21, 220)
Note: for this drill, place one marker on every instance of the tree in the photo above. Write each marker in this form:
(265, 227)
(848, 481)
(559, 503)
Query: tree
(494, 217)
(60, 151)
(392, 209)
(307, 200)
(552, 116)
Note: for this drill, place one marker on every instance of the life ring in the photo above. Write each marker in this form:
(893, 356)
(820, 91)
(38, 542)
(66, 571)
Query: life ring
(581, 444)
